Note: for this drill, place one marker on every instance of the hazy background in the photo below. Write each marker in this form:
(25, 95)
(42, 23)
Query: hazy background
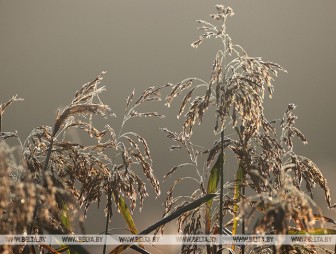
(48, 49)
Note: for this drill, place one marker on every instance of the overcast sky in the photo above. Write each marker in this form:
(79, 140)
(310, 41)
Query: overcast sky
(48, 49)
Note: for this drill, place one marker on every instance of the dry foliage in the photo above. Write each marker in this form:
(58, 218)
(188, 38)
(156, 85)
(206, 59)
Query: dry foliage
(54, 174)
(48, 175)
(271, 168)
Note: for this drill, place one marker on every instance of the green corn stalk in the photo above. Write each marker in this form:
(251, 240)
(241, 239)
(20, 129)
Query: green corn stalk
(65, 216)
(125, 212)
(65, 220)
(211, 189)
(236, 197)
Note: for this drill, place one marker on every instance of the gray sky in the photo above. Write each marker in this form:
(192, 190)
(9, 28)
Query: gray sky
(48, 49)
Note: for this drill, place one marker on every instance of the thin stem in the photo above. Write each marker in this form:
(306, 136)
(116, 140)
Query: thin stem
(243, 217)
(106, 229)
(221, 196)
(109, 196)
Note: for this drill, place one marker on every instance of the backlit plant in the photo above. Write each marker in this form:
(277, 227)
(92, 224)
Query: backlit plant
(45, 180)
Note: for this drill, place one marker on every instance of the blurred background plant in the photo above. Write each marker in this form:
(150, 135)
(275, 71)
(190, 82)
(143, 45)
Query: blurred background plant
(55, 176)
